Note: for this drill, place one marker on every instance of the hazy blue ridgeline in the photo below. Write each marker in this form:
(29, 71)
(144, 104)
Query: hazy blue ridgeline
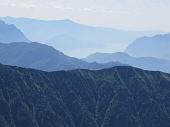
(43, 57)
(9, 33)
(157, 46)
(69, 36)
(147, 63)
(153, 44)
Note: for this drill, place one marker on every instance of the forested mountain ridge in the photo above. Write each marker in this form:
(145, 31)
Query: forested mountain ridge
(119, 96)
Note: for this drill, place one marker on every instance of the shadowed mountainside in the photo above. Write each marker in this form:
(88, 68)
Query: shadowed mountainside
(9, 33)
(116, 97)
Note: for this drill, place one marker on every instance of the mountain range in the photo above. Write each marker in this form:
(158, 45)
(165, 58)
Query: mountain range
(115, 97)
(40, 86)
(157, 46)
(9, 33)
(43, 57)
(147, 63)
(86, 39)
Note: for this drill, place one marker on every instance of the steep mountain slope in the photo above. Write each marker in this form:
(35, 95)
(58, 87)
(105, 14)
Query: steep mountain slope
(43, 57)
(148, 63)
(117, 97)
(9, 33)
(94, 38)
(156, 46)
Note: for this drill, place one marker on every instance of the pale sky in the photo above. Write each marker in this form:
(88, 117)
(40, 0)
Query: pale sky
(122, 14)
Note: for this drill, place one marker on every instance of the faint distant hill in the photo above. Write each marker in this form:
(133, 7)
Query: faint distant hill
(148, 63)
(156, 46)
(43, 57)
(65, 41)
(89, 37)
(9, 33)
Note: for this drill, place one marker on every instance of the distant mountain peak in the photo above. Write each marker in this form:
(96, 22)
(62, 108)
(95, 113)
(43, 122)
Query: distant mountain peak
(68, 20)
(156, 46)
(10, 33)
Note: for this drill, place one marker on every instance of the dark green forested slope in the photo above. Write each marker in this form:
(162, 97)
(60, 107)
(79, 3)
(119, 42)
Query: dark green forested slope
(116, 97)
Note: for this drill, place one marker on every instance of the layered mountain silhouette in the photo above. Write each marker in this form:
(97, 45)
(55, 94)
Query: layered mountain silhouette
(9, 33)
(116, 97)
(94, 38)
(148, 63)
(156, 46)
(43, 57)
